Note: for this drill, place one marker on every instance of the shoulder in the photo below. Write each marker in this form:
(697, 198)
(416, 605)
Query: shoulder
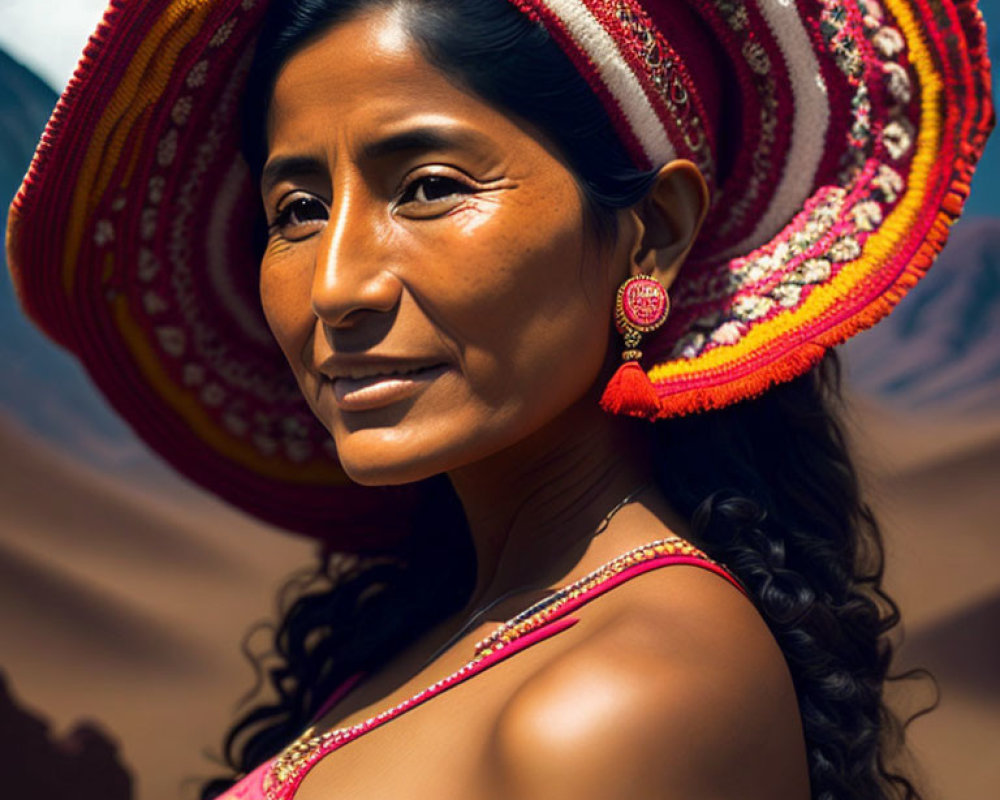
(677, 691)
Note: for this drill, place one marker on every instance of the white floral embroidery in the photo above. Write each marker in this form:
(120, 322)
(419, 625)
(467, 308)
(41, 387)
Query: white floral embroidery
(223, 33)
(867, 216)
(181, 112)
(689, 345)
(147, 223)
(167, 148)
(104, 233)
(787, 294)
(213, 395)
(756, 57)
(898, 82)
(889, 183)
(235, 424)
(155, 189)
(889, 42)
(265, 444)
(148, 265)
(196, 77)
(153, 303)
(846, 248)
(194, 374)
(172, 340)
(897, 138)
(728, 333)
(298, 450)
(752, 308)
(815, 270)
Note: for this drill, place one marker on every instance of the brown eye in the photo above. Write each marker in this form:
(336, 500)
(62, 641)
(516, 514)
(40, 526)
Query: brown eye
(300, 217)
(433, 188)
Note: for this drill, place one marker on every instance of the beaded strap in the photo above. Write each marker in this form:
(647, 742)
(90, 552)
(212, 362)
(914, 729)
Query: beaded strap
(548, 607)
(540, 621)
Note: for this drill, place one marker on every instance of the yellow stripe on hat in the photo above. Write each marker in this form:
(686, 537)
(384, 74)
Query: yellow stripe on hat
(877, 249)
(142, 83)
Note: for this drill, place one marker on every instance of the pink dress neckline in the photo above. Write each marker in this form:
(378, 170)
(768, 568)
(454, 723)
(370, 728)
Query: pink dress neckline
(280, 777)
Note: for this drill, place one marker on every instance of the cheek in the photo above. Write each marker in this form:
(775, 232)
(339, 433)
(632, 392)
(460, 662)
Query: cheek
(548, 286)
(286, 298)
(538, 319)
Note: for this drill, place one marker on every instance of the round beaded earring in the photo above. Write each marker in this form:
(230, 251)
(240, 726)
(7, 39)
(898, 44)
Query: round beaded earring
(641, 307)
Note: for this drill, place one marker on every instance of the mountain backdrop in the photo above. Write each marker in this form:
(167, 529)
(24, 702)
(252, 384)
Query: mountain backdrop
(125, 592)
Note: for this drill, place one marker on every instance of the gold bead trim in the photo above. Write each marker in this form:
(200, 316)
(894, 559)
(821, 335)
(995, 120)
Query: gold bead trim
(546, 608)
(295, 758)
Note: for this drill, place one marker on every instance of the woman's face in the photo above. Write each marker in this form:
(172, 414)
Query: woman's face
(429, 275)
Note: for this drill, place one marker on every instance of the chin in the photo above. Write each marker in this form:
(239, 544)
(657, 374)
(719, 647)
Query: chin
(369, 474)
(394, 455)
(376, 458)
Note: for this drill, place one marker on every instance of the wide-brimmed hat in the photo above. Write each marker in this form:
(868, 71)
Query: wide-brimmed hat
(855, 127)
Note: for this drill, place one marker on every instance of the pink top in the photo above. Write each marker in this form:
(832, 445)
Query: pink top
(279, 778)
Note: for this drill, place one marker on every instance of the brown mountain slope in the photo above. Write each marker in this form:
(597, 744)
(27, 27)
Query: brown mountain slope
(126, 602)
(127, 607)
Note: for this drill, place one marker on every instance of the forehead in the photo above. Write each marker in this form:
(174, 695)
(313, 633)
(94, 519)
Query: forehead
(364, 73)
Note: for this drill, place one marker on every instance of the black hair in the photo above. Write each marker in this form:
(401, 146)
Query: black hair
(768, 485)
(494, 51)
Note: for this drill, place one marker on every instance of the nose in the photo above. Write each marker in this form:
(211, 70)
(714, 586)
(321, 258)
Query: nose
(351, 274)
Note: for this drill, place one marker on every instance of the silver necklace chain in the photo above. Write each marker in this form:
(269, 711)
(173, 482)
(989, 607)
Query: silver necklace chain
(471, 622)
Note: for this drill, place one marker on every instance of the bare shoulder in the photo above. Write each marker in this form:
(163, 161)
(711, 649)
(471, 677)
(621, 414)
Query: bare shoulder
(677, 691)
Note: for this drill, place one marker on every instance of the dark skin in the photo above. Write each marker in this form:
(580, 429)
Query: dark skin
(415, 228)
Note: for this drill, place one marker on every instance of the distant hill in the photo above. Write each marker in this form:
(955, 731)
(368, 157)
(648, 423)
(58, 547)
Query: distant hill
(127, 607)
(940, 349)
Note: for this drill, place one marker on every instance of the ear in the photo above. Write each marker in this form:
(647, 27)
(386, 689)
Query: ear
(667, 221)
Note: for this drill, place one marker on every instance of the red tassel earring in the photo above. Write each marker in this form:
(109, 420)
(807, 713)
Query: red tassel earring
(641, 307)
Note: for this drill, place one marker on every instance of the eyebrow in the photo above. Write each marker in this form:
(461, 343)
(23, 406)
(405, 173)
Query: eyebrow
(423, 138)
(286, 167)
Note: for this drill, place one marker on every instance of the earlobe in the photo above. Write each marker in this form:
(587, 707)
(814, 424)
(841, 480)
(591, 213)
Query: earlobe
(668, 221)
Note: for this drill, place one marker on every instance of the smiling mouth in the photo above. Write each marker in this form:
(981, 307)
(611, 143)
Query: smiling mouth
(365, 389)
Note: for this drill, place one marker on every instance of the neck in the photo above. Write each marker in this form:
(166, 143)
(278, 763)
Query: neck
(533, 509)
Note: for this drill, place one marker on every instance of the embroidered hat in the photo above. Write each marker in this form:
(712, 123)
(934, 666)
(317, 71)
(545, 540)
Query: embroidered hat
(856, 126)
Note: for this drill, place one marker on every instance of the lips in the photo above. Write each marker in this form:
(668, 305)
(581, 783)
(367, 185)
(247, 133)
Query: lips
(362, 371)
(364, 387)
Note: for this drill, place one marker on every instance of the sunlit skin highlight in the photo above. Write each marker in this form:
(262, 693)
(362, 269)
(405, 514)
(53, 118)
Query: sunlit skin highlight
(496, 278)
(414, 227)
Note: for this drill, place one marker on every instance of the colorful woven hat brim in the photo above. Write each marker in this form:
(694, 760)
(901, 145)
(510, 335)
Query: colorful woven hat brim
(115, 273)
(130, 242)
(867, 118)
(844, 262)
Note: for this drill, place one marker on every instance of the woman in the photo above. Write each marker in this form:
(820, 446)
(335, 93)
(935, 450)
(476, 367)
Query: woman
(474, 214)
